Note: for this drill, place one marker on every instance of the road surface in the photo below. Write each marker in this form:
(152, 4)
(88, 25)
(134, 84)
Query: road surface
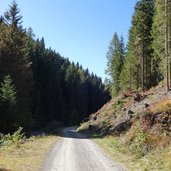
(74, 152)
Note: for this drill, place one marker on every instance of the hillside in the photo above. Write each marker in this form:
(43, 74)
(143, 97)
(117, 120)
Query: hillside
(136, 125)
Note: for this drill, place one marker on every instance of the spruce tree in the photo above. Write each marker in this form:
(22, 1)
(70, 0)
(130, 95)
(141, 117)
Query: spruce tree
(7, 104)
(14, 61)
(62, 91)
(158, 44)
(161, 32)
(115, 57)
(139, 48)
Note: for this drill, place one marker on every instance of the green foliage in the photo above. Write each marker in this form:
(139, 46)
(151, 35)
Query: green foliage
(14, 61)
(155, 160)
(104, 123)
(7, 92)
(7, 104)
(63, 91)
(115, 61)
(158, 34)
(15, 138)
(49, 87)
(136, 71)
(139, 144)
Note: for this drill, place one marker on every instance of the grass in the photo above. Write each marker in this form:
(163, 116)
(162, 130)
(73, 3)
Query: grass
(155, 160)
(28, 156)
(147, 144)
(161, 106)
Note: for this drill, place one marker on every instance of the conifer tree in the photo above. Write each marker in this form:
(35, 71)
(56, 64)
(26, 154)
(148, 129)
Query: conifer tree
(14, 60)
(158, 44)
(115, 57)
(61, 91)
(139, 49)
(7, 104)
(161, 32)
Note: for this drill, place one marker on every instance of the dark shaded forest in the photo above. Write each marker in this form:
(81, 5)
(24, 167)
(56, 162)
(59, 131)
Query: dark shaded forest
(38, 85)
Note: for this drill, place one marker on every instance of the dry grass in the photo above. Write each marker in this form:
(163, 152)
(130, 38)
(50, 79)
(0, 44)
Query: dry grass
(147, 145)
(28, 156)
(161, 106)
(156, 160)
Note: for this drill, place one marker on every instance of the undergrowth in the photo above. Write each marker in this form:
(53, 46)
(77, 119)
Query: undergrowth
(20, 154)
(146, 146)
(131, 156)
(15, 138)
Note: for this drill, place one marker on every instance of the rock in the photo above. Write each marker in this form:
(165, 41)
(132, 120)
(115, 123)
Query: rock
(130, 112)
(124, 109)
(120, 127)
(125, 95)
(94, 118)
(138, 97)
(146, 105)
(90, 127)
(162, 118)
(93, 128)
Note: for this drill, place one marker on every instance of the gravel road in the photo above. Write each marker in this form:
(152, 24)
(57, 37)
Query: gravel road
(74, 152)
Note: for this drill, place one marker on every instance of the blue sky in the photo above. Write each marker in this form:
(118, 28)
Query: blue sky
(78, 29)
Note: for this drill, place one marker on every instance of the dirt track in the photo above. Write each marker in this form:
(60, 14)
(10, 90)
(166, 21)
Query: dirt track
(74, 152)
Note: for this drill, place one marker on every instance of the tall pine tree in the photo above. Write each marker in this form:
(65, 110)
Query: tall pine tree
(115, 57)
(158, 34)
(139, 48)
(14, 61)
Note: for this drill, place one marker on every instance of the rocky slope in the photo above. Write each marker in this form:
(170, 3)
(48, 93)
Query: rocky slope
(136, 127)
(151, 110)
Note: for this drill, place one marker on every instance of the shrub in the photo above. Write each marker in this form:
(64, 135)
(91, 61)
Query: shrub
(15, 138)
(139, 144)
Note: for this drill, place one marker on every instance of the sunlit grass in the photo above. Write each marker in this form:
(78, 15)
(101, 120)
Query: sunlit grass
(156, 160)
(28, 156)
(161, 106)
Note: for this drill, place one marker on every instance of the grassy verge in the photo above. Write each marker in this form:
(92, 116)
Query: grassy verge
(156, 160)
(27, 156)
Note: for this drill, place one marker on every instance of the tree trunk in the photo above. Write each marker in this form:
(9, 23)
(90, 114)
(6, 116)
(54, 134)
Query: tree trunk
(130, 78)
(143, 64)
(137, 77)
(166, 44)
(169, 40)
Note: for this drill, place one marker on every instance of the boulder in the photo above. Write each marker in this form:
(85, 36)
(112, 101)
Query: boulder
(120, 127)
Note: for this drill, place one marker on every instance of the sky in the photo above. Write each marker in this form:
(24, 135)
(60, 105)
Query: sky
(78, 29)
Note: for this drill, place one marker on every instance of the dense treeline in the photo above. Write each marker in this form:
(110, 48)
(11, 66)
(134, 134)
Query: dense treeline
(39, 86)
(63, 91)
(146, 60)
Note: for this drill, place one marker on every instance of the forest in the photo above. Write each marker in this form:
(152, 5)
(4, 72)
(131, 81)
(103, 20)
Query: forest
(38, 85)
(146, 58)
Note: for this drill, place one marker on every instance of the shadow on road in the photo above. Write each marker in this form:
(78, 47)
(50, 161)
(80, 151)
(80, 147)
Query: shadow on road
(71, 132)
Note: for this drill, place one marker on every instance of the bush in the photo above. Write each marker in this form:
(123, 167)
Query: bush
(15, 138)
(140, 144)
